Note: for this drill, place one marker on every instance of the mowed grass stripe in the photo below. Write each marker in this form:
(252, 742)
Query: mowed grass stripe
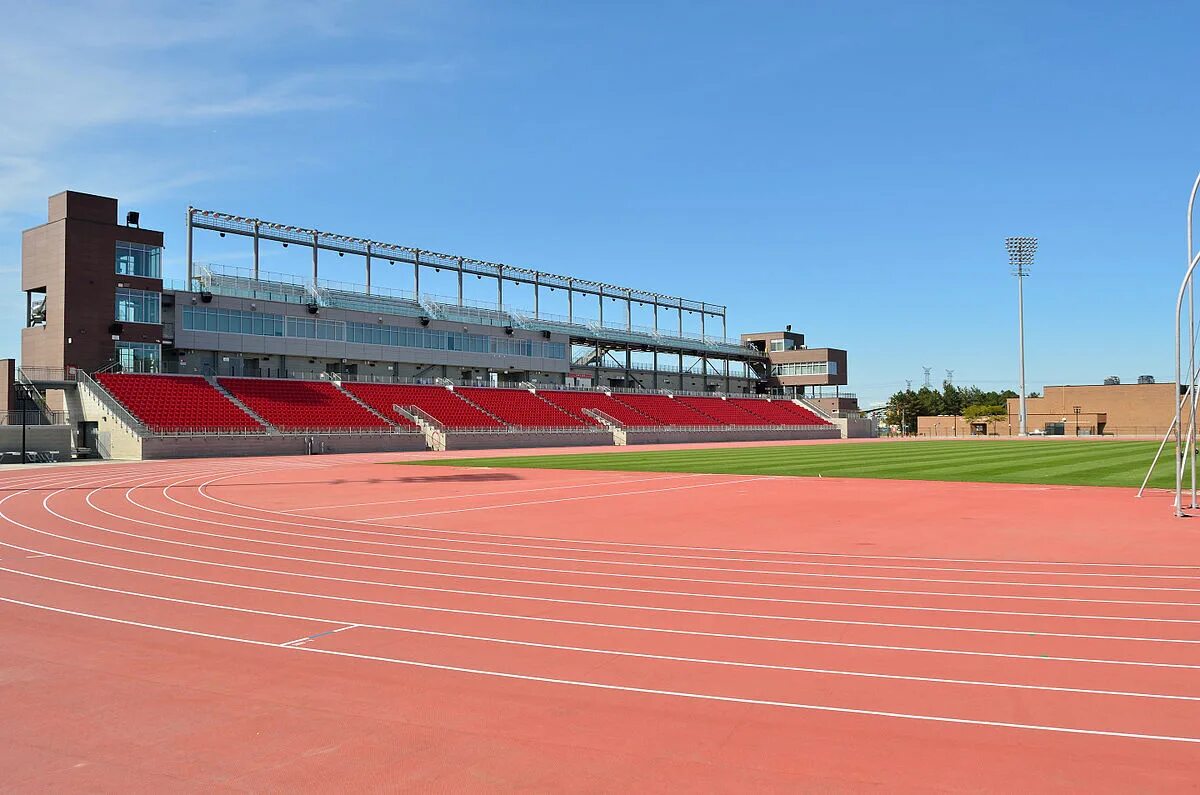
(1056, 462)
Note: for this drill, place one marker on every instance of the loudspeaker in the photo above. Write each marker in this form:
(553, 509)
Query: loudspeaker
(508, 330)
(133, 218)
(116, 328)
(313, 307)
(423, 320)
(545, 334)
(205, 297)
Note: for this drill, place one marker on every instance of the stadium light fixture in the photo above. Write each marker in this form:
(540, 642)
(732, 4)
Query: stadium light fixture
(1020, 258)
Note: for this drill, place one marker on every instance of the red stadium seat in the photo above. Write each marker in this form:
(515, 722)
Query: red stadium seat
(302, 405)
(664, 408)
(177, 403)
(520, 408)
(575, 402)
(438, 402)
(779, 411)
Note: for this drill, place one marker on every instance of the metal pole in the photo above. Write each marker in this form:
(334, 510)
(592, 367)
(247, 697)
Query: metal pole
(724, 329)
(628, 311)
(24, 457)
(316, 248)
(1021, 345)
(417, 274)
(256, 250)
(1192, 332)
(460, 281)
(500, 288)
(188, 254)
(1187, 280)
(570, 304)
(601, 307)
(535, 296)
(368, 268)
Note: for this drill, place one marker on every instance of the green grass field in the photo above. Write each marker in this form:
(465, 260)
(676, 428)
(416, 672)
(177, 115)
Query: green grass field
(1083, 463)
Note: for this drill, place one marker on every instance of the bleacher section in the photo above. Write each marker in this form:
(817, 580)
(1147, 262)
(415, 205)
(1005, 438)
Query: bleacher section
(177, 403)
(302, 405)
(438, 402)
(170, 404)
(665, 409)
(779, 412)
(723, 411)
(575, 402)
(520, 408)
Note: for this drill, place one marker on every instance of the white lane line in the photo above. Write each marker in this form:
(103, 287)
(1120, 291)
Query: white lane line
(837, 644)
(481, 494)
(614, 687)
(225, 523)
(603, 625)
(553, 584)
(478, 533)
(884, 606)
(270, 517)
(570, 499)
(606, 652)
(296, 642)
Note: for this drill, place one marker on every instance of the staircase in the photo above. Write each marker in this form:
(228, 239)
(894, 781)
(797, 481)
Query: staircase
(270, 429)
(337, 383)
(460, 396)
(558, 408)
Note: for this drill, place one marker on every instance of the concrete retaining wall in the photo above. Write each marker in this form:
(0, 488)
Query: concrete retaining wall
(38, 439)
(212, 446)
(501, 441)
(856, 428)
(668, 436)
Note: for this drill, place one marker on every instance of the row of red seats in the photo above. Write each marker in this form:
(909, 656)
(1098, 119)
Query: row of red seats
(177, 403)
(520, 407)
(442, 404)
(301, 405)
(191, 403)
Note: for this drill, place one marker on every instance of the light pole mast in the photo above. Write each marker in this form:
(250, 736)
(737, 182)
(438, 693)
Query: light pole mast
(1020, 257)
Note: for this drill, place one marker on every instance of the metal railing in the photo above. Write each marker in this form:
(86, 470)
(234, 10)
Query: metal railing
(118, 410)
(35, 417)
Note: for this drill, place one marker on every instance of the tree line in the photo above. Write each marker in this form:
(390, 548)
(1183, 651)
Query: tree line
(972, 402)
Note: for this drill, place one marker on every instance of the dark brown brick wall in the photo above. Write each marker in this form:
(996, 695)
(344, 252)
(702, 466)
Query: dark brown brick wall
(74, 257)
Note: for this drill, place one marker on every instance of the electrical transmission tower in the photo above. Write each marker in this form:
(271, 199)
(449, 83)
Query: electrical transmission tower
(949, 376)
(928, 371)
(908, 384)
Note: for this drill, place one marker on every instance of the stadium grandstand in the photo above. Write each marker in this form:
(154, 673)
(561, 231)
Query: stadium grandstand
(233, 360)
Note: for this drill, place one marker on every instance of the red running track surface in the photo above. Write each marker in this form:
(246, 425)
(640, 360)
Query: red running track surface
(343, 624)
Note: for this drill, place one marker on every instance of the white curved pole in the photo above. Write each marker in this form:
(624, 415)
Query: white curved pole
(1192, 343)
(1187, 280)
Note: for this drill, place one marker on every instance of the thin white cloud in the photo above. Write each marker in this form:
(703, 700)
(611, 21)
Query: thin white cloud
(68, 70)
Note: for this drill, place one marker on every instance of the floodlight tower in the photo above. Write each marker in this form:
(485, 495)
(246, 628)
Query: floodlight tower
(1020, 257)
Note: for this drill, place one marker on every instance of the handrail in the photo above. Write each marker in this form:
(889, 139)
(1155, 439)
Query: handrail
(122, 414)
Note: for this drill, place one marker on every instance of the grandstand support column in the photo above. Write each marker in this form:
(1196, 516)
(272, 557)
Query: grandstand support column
(417, 274)
(681, 319)
(601, 307)
(628, 310)
(500, 287)
(656, 324)
(460, 281)
(570, 302)
(724, 327)
(368, 268)
(628, 364)
(316, 249)
(702, 314)
(681, 370)
(654, 373)
(536, 315)
(256, 260)
(188, 253)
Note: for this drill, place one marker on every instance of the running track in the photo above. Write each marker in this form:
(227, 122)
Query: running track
(337, 623)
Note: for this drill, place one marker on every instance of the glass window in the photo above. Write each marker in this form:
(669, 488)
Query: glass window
(139, 357)
(138, 259)
(138, 306)
(804, 368)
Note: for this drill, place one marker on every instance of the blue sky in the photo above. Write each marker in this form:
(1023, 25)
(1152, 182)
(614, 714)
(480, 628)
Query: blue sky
(851, 169)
